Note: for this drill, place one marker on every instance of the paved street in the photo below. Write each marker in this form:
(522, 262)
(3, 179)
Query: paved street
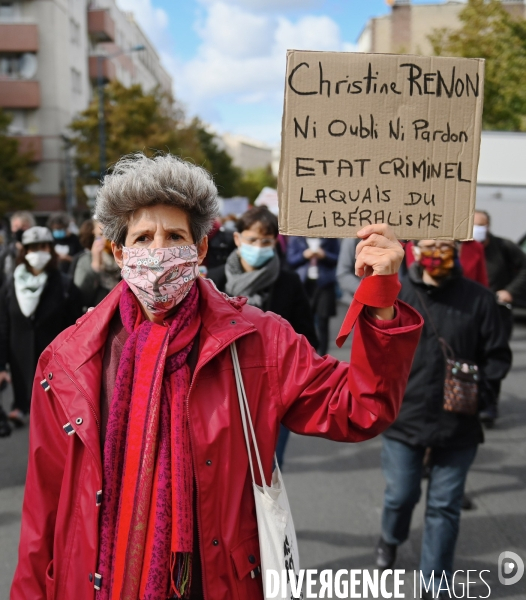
(336, 496)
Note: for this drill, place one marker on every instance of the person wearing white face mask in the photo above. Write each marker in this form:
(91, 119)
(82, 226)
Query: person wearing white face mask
(505, 261)
(35, 306)
(506, 265)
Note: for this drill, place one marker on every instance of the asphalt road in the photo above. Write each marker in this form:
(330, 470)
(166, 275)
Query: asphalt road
(336, 493)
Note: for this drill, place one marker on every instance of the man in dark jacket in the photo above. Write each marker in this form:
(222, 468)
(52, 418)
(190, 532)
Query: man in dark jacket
(506, 265)
(67, 244)
(505, 262)
(465, 315)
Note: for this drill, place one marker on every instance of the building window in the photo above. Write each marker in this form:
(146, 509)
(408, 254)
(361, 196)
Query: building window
(76, 81)
(10, 65)
(18, 66)
(9, 10)
(74, 31)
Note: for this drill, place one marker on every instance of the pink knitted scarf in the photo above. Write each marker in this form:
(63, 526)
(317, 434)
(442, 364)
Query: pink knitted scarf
(146, 524)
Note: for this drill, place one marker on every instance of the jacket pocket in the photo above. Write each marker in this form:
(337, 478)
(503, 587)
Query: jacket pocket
(246, 562)
(50, 582)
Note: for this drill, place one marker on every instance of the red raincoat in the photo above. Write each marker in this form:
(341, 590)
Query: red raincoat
(285, 382)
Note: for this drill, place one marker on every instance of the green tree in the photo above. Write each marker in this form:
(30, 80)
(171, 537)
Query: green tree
(254, 181)
(15, 172)
(135, 121)
(218, 162)
(488, 31)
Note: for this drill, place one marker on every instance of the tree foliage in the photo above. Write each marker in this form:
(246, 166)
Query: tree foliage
(254, 181)
(218, 162)
(15, 172)
(151, 122)
(135, 121)
(488, 31)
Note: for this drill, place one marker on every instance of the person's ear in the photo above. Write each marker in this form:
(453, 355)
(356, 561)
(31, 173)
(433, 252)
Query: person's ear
(202, 249)
(417, 254)
(237, 239)
(117, 254)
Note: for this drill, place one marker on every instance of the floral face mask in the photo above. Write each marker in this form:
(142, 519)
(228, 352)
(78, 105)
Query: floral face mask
(162, 277)
(438, 262)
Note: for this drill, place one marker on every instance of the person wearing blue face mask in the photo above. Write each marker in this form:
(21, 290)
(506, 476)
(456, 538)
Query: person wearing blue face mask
(257, 271)
(66, 244)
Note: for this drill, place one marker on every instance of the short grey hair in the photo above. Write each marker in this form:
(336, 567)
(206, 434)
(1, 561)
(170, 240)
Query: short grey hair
(138, 181)
(25, 216)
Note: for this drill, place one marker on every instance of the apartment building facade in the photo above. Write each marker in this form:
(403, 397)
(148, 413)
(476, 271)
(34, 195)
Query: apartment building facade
(406, 28)
(48, 74)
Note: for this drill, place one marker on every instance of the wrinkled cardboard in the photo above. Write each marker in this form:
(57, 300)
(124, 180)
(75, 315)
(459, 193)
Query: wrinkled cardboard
(360, 144)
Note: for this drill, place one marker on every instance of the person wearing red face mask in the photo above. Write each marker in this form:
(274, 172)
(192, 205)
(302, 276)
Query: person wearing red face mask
(464, 315)
(471, 258)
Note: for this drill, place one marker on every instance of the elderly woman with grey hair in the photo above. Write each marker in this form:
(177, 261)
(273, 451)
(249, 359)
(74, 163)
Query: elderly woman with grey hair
(138, 482)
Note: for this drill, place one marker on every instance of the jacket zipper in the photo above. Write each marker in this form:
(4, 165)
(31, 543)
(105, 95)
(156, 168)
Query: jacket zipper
(197, 369)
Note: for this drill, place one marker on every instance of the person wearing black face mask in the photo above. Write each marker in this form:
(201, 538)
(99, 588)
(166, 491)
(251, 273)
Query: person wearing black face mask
(461, 320)
(20, 221)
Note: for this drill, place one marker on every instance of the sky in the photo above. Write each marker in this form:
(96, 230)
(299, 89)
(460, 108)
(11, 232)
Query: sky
(227, 57)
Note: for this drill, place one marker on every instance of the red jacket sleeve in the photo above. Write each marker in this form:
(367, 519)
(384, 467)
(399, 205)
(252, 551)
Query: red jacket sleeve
(47, 452)
(348, 402)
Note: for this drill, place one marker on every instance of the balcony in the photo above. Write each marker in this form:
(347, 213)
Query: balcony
(18, 37)
(108, 69)
(101, 27)
(30, 144)
(19, 94)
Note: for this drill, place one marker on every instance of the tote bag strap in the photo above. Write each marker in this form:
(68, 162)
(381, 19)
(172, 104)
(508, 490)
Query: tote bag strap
(245, 416)
(447, 350)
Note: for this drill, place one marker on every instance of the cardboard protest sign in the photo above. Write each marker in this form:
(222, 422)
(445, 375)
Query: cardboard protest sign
(379, 138)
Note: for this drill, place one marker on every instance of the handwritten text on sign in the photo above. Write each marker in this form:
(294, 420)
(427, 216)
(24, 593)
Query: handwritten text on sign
(380, 139)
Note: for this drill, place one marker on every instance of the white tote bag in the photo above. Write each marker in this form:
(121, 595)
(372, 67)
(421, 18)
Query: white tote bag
(277, 538)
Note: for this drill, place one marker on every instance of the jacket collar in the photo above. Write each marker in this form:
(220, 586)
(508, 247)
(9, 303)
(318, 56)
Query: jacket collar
(90, 333)
(80, 354)
(221, 318)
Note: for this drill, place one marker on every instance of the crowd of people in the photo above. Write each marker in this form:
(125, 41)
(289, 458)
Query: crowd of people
(51, 276)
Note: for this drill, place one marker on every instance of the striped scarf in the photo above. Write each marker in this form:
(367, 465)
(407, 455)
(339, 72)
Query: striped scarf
(146, 522)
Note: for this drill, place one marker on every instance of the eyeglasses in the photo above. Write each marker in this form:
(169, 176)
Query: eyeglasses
(441, 247)
(256, 241)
